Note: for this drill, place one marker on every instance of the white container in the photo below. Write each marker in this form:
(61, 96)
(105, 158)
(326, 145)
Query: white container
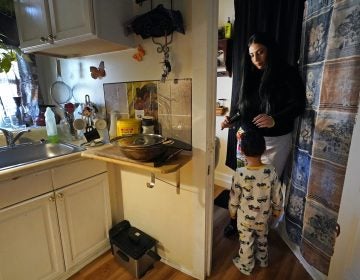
(113, 124)
(51, 128)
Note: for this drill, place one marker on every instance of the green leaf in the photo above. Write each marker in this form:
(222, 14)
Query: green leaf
(5, 64)
(8, 54)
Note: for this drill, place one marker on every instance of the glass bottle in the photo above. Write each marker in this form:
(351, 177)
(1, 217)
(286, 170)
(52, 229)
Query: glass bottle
(139, 105)
(228, 29)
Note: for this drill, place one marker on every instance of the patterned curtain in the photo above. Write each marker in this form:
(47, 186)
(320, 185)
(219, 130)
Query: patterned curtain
(28, 83)
(331, 65)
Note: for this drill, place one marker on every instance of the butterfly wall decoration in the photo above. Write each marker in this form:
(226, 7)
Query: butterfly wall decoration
(98, 72)
(140, 53)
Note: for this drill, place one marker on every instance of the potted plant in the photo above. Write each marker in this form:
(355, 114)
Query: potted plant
(9, 41)
(7, 56)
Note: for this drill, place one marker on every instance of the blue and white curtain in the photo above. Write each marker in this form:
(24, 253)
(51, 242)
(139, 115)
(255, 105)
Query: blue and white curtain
(330, 63)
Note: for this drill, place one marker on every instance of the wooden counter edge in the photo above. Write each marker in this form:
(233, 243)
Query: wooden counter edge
(172, 166)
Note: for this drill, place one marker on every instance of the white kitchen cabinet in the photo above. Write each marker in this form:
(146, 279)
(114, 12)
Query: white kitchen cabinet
(33, 22)
(67, 28)
(76, 171)
(84, 218)
(30, 244)
(21, 188)
(52, 227)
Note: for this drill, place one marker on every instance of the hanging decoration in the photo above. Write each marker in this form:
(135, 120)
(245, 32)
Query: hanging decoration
(156, 23)
(140, 53)
(164, 48)
(98, 72)
(159, 22)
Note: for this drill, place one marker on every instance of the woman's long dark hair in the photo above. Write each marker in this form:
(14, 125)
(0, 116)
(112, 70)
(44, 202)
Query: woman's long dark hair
(248, 72)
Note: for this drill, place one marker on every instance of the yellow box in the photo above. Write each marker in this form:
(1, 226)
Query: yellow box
(128, 127)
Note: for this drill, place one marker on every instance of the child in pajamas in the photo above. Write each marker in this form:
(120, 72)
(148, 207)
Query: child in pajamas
(255, 196)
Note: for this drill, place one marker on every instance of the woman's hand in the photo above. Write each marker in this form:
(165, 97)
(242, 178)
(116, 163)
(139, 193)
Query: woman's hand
(264, 121)
(225, 123)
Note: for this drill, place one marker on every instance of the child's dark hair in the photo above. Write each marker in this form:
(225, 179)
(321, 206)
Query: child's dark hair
(252, 143)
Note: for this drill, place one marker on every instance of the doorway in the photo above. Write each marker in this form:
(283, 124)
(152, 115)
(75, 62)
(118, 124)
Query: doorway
(224, 249)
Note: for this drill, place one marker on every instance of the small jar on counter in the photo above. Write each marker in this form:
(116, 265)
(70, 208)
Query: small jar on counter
(147, 124)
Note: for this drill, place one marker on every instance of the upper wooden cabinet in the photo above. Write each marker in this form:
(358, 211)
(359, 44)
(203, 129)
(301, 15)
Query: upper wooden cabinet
(68, 28)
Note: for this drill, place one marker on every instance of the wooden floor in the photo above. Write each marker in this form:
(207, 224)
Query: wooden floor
(282, 263)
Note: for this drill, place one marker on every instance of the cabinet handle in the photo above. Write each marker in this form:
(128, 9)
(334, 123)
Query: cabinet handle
(52, 198)
(60, 195)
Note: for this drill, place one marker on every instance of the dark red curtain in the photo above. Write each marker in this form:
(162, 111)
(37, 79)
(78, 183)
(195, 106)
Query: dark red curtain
(282, 19)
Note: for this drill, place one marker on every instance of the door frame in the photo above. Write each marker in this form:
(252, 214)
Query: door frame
(344, 262)
(212, 12)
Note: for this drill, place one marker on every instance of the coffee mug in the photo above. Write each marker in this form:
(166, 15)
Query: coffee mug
(100, 124)
(79, 124)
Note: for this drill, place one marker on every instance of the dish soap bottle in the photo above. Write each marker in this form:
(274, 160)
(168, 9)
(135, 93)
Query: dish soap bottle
(51, 128)
(228, 29)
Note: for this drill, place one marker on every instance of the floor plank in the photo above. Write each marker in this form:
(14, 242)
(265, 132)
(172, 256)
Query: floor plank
(282, 263)
(217, 190)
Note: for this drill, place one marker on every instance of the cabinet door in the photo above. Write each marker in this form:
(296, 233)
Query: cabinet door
(70, 19)
(84, 218)
(30, 245)
(33, 22)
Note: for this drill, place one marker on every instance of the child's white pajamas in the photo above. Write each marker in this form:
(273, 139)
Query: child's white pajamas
(255, 193)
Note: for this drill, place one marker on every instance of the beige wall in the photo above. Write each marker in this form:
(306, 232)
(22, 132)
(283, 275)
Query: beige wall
(226, 9)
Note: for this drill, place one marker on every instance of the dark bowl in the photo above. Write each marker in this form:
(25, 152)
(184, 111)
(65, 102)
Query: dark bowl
(141, 147)
(144, 154)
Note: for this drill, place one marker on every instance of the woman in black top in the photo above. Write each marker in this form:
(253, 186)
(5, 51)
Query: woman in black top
(272, 94)
(271, 97)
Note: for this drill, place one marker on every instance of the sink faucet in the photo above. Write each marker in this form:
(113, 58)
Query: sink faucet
(11, 138)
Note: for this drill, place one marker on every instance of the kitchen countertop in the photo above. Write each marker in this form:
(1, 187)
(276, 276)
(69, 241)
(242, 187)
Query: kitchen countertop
(111, 154)
(39, 165)
(104, 153)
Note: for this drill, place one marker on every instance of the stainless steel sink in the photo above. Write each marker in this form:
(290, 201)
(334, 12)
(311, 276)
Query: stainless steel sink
(30, 153)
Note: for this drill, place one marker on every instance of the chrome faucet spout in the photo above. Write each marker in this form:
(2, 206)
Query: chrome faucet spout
(11, 138)
(19, 134)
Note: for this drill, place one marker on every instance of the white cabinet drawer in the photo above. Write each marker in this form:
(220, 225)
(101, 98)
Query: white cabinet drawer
(24, 187)
(76, 171)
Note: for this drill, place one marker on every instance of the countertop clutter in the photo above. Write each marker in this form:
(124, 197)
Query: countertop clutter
(174, 157)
